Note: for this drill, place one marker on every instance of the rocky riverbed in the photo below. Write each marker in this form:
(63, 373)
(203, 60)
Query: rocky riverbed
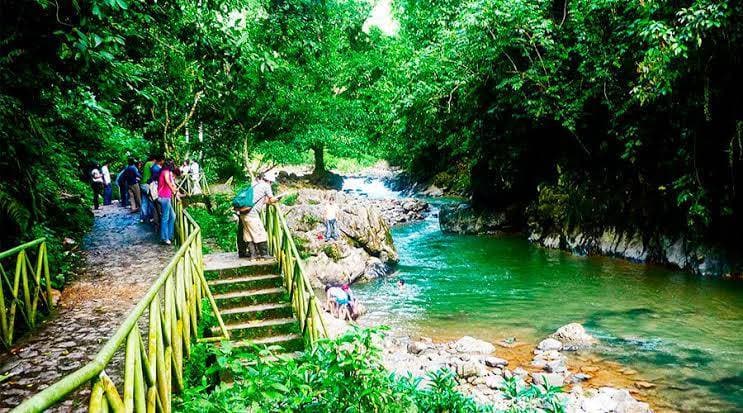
(496, 381)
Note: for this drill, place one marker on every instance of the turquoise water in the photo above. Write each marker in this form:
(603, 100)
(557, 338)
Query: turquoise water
(681, 332)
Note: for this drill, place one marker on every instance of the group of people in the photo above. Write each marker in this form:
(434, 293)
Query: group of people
(341, 302)
(145, 188)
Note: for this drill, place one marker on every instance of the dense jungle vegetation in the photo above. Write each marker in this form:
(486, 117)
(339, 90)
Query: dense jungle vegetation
(594, 112)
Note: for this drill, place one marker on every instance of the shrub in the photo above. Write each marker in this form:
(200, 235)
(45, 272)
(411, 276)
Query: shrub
(311, 220)
(216, 228)
(345, 374)
(333, 252)
(290, 200)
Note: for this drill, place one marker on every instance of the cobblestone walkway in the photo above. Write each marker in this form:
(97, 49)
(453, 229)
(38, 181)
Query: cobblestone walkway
(123, 257)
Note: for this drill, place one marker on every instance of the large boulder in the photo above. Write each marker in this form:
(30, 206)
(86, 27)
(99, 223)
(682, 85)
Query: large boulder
(365, 250)
(472, 345)
(573, 337)
(549, 344)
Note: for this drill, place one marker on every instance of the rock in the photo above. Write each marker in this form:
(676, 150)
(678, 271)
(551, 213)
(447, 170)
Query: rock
(417, 347)
(589, 369)
(573, 337)
(495, 362)
(469, 344)
(551, 361)
(55, 297)
(552, 379)
(495, 382)
(463, 219)
(643, 385)
(470, 369)
(433, 191)
(579, 377)
(549, 344)
(675, 253)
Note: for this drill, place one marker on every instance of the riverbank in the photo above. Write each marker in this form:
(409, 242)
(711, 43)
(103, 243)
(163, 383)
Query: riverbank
(495, 377)
(496, 288)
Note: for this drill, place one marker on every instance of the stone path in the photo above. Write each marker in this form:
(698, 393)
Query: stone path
(123, 258)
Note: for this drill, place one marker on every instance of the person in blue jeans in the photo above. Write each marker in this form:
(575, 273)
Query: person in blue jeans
(330, 215)
(165, 190)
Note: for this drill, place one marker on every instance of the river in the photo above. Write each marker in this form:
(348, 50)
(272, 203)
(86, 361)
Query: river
(681, 332)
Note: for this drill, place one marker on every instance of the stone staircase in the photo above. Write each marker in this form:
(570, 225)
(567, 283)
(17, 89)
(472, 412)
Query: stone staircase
(253, 302)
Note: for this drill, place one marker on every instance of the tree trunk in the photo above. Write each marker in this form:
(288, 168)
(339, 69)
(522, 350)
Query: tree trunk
(319, 151)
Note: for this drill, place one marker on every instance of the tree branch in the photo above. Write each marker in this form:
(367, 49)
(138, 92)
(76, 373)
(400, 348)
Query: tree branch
(196, 98)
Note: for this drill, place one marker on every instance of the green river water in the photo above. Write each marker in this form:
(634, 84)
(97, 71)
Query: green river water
(683, 333)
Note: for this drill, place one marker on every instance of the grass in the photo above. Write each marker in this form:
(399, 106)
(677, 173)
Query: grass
(216, 228)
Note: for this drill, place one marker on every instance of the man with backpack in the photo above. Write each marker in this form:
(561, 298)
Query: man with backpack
(249, 203)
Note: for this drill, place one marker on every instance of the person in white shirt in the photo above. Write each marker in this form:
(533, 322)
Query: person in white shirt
(330, 216)
(97, 184)
(195, 178)
(106, 184)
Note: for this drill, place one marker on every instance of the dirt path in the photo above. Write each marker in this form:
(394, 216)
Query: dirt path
(122, 258)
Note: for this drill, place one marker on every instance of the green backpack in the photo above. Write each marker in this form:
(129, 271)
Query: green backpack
(244, 198)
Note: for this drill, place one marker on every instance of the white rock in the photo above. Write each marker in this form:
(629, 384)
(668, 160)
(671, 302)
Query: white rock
(469, 344)
(573, 336)
(417, 347)
(495, 382)
(470, 369)
(553, 379)
(495, 362)
(549, 344)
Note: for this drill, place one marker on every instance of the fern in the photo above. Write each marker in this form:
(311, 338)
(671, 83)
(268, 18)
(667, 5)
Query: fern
(13, 210)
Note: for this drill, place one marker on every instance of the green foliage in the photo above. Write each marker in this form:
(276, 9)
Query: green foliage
(333, 252)
(217, 226)
(345, 374)
(310, 220)
(302, 246)
(290, 200)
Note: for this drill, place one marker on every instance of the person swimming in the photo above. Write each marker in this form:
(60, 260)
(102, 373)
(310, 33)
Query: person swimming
(401, 284)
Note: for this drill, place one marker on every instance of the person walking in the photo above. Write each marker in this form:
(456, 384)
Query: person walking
(144, 190)
(133, 177)
(97, 183)
(106, 184)
(123, 189)
(154, 196)
(165, 190)
(250, 227)
(330, 216)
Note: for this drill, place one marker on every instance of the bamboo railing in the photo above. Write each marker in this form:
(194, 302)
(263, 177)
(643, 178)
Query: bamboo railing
(29, 290)
(153, 368)
(281, 245)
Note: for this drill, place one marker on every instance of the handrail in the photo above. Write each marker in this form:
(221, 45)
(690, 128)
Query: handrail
(281, 245)
(30, 286)
(153, 368)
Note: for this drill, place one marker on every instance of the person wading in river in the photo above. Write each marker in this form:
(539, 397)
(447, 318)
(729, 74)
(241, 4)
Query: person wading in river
(250, 228)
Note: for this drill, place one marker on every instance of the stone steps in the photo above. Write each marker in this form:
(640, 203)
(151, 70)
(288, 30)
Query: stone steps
(253, 302)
